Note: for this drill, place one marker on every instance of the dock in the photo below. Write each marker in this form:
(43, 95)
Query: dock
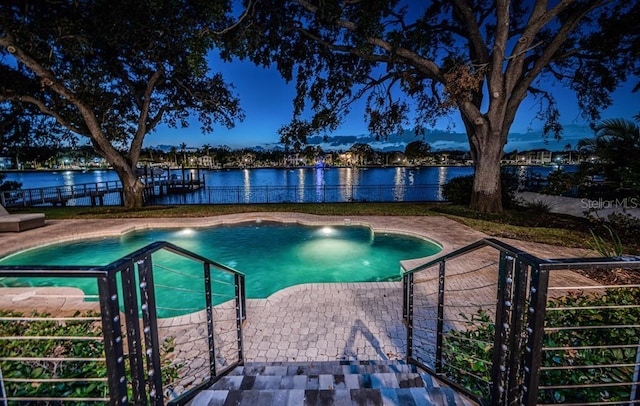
(157, 181)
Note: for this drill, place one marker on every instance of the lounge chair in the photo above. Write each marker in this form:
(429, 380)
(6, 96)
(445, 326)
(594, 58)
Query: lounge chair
(19, 222)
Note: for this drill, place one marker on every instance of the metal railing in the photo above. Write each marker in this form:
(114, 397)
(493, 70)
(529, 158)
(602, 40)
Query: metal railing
(165, 192)
(107, 193)
(508, 328)
(120, 339)
(303, 194)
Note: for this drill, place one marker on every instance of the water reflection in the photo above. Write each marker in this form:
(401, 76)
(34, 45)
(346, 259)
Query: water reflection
(398, 183)
(336, 184)
(67, 178)
(348, 180)
(522, 176)
(442, 180)
(247, 185)
(99, 176)
(301, 185)
(319, 184)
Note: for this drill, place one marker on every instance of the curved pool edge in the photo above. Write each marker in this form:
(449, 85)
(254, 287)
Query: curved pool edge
(440, 231)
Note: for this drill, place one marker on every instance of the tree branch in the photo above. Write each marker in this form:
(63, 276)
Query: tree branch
(475, 37)
(142, 130)
(234, 25)
(44, 109)
(428, 66)
(50, 80)
(521, 86)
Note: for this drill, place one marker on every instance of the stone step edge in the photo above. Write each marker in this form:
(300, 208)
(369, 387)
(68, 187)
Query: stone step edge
(324, 381)
(437, 396)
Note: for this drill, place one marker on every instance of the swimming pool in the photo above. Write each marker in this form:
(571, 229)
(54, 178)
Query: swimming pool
(273, 256)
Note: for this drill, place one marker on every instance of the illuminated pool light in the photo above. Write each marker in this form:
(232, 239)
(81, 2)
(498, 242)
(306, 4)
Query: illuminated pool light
(186, 232)
(327, 231)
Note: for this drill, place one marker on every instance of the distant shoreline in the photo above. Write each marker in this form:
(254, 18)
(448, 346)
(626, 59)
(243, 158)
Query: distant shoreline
(179, 168)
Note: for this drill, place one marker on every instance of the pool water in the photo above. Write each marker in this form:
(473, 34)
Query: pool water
(272, 256)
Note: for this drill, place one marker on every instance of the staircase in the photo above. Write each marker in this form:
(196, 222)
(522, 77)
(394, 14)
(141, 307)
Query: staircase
(328, 383)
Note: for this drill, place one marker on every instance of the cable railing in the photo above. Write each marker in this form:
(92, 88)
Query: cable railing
(303, 194)
(124, 344)
(549, 335)
(162, 193)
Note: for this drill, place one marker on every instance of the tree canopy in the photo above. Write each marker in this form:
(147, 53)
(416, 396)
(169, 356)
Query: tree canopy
(616, 143)
(113, 71)
(415, 62)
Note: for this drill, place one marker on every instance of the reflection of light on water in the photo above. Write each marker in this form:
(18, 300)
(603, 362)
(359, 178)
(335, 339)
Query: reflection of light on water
(366, 263)
(247, 185)
(232, 264)
(67, 178)
(347, 179)
(522, 177)
(330, 250)
(301, 185)
(319, 184)
(442, 180)
(398, 183)
(98, 175)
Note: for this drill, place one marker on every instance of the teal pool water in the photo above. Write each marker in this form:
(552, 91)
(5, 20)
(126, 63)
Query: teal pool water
(272, 256)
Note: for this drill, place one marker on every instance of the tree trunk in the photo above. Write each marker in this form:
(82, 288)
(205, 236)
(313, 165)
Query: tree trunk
(132, 187)
(486, 196)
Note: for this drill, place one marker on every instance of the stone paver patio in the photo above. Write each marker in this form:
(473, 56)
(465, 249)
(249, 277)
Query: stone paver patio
(311, 322)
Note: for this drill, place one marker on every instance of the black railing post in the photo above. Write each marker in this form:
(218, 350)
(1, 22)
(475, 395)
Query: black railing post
(518, 309)
(502, 328)
(440, 321)
(136, 361)
(239, 284)
(407, 281)
(150, 322)
(535, 333)
(243, 297)
(112, 331)
(210, 330)
(405, 299)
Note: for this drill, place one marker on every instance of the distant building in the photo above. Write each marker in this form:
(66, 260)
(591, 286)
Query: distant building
(205, 161)
(534, 157)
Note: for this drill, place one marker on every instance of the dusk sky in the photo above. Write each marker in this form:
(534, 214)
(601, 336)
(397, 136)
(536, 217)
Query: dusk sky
(267, 102)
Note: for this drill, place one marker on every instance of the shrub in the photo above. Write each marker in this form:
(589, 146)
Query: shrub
(458, 190)
(538, 207)
(560, 183)
(53, 349)
(626, 225)
(9, 184)
(583, 358)
(617, 227)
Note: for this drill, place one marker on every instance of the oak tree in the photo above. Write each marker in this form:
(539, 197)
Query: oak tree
(114, 70)
(415, 62)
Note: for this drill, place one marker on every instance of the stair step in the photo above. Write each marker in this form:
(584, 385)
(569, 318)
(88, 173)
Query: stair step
(323, 368)
(321, 382)
(327, 383)
(297, 397)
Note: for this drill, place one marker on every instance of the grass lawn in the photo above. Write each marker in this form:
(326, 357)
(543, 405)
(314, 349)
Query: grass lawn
(521, 223)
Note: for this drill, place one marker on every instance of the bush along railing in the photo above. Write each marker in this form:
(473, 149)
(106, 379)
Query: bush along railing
(117, 336)
(551, 335)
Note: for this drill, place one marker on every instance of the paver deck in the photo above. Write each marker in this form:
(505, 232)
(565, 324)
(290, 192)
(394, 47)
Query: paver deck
(321, 322)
